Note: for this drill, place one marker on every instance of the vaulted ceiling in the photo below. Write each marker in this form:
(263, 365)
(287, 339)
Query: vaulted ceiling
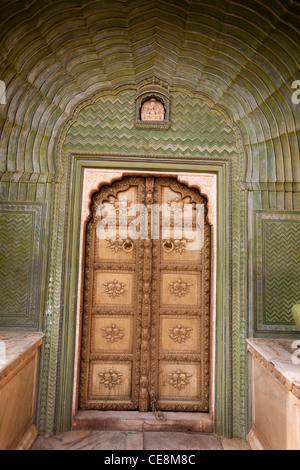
(243, 54)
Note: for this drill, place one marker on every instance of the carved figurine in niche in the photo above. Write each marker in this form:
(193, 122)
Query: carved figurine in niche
(153, 110)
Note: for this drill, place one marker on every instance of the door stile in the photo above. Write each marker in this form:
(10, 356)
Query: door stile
(86, 340)
(154, 327)
(146, 303)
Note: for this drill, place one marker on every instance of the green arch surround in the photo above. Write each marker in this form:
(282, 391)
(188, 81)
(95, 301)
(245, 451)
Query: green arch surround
(101, 134)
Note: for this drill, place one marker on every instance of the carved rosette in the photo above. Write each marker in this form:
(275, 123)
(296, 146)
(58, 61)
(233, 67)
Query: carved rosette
(115, 288)
(179, 379)
(180, 246)
(180, 334)
(113, 333)
(179, 288)
(110, 379)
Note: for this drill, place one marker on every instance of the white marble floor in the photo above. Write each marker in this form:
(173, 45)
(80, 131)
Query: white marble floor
(131, 440)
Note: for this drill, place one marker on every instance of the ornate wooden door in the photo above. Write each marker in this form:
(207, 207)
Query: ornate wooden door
(145, 333)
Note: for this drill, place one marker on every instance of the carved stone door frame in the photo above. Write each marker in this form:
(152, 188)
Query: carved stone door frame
(93, 179)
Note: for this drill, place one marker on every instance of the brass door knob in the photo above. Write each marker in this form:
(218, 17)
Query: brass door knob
(168, 246)
(128, 246)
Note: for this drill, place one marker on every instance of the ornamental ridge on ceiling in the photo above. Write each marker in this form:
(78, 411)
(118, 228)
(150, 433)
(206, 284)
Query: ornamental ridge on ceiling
(243, 54)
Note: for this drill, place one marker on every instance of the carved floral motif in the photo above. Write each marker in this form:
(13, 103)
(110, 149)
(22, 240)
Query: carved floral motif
(114, 288)
(180, 334)
(180, 246)
(115, 245)
(179, 288)
(113, 333)
(179, 379)
(111, 378)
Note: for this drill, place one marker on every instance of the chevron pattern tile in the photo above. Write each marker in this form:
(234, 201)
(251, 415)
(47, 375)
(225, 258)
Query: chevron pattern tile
(15, 255)
(19, 262)
(282, 271)
(278, 270)
(108, 126)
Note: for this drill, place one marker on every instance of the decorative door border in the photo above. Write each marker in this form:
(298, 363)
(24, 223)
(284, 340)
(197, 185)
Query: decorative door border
(231, 276)
(92, 180)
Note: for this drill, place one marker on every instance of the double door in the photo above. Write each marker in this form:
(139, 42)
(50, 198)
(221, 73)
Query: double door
(146, 318)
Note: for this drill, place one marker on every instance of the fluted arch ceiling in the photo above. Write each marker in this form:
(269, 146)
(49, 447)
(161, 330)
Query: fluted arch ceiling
(243, 54)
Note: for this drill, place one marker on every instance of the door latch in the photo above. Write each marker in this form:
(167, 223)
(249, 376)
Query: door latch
(159, 415)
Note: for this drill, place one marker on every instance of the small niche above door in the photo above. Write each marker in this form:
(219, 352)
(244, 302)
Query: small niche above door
(153, 108)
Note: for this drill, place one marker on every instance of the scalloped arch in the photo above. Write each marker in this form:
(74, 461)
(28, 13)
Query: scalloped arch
(244, 55)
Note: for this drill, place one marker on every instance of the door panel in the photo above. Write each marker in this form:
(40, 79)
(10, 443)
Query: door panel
(179, 289)
(146, 320)
(111, 331)
(180, 334)
(111, 334)
(179, 383)
(113, 288)
(180, 304)
(111, 249)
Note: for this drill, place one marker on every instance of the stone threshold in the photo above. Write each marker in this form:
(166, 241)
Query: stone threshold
(135, 421)
(137, 441)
